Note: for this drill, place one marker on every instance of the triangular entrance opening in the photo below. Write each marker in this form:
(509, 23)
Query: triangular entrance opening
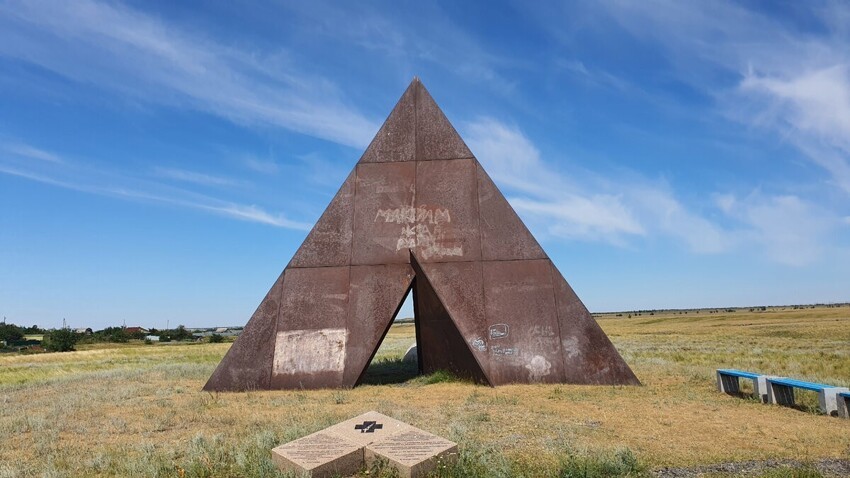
(421, 339)
(386, 366)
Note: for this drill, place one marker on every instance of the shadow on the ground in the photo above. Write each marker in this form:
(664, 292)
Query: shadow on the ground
(389, 371)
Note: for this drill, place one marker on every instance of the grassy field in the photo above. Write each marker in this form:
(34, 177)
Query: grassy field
(137, 410)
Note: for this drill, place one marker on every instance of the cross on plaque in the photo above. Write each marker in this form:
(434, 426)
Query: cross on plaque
(368, 426)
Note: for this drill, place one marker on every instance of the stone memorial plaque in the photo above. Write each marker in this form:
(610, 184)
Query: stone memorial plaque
(343, 449)
(368, 428)
(413, 453)
(319, 455)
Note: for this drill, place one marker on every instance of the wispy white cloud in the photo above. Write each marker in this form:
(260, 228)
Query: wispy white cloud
(124, 50)
(108, 183)
(193, 177)
(812, 111)
(788, 229)
(616, 209)
(595, 77)
(627, 207)
(260, 165)
(27, 151)
(778, 78)
(659, 207)
(256, 214)
(595, 217)
(426, 35)
(509, 155)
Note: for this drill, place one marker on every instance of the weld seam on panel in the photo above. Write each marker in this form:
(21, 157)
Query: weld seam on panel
(416, 121)
(427, 262)
(348, 325)
(555, 294)
(475, 167)
(277, 325)
(424, 159)
(353, 215)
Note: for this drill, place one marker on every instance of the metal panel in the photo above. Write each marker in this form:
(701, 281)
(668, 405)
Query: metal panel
(523, 335)
(396, 140)
(436, 138)
(440, 344)
(460, 289)
(384, 213)
(447, 211)
(590, 357)
(311, 331)
(248, 363)
(376, 294)
(503, 234)
(329, 242)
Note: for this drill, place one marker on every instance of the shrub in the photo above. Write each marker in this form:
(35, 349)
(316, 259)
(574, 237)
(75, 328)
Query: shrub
(60, 340)
(216, 339)
(11, 333)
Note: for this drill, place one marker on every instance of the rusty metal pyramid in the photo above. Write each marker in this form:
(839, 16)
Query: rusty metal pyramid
(418, 211)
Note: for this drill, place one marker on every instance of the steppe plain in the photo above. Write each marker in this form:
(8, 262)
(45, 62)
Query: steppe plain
(138, 410)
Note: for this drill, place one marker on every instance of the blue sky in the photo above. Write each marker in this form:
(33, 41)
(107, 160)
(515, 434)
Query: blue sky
(162, 162)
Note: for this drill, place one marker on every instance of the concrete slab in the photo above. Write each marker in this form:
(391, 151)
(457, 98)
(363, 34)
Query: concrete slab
(843, 405)
(343, 449)
(319, 455)
(828, 400)
(368, 428)
(414, 453)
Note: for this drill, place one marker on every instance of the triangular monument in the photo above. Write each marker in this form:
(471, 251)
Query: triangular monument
(418, 211)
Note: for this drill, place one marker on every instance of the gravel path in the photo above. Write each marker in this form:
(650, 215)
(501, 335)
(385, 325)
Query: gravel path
(830, 467)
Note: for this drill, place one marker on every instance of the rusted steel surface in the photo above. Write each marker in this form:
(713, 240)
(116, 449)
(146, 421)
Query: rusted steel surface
(311, 337)
(522, 320)
(441, 345)
(329, 243)
(504, 237)
(384, 213)
(459, 286)
(447, 211)
(396, 139)
(376, 294)
(248, 364)
(589, 356)
(436, 138)
(419, 209)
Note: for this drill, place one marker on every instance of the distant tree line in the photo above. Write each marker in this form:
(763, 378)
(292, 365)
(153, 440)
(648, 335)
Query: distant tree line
(65, 339)
(14, 333)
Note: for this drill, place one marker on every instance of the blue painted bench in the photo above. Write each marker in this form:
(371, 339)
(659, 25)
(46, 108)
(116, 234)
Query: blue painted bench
(781, 391)
(844, 404)
(728, 381)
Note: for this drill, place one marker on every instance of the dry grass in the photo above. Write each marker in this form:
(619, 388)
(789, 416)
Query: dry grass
(138, 410)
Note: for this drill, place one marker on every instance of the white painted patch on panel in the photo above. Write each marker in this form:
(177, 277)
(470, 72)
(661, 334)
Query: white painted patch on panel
(538, 368)
(571, 347)
(309, 351)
